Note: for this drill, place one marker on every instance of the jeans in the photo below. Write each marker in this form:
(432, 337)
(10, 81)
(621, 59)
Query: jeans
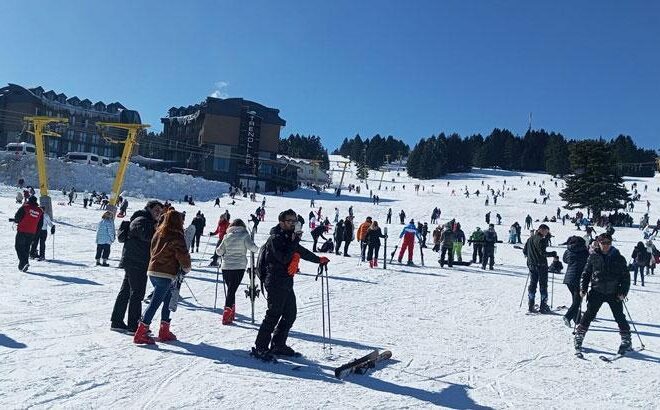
(641, 273)
(102, 251)
(131, 295)
(594, 301)
(162, 294)
(574, 311)
(538, 275)
(22, 246)
(280, 315)
(232, 278)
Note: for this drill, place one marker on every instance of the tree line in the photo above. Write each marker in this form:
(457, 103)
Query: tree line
(372, 152)
(305, 147)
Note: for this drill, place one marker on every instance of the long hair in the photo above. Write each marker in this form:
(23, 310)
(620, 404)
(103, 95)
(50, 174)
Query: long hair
(374, 225)
(172, 223)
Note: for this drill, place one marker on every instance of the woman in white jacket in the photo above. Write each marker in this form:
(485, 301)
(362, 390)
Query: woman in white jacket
(233, 249)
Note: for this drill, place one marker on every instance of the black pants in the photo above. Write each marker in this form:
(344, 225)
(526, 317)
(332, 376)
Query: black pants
(450, 255)
(232, 278)
(538, 274)
(594, 301)
(280, 315)
(195, 241)
(641, 273)
(574, 311)
(316, 241)
(488, 258)
(388, 220)
(346, 244)
(215, 255)
(39, 239)
(372, 251)
(131, 295)
(22, 245)
(477, 250)
(337, 246)
(102, 251)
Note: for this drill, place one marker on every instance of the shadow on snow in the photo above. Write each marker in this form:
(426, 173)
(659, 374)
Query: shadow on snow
(66, 279)
(10, 343)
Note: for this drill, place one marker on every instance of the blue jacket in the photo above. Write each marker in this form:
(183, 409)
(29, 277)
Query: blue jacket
(105, 232)
(410, 229)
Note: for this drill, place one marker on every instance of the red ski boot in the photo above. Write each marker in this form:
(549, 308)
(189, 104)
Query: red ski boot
(371, 263)
(164, 334)
(233, 312)
(141, 336)
(227, 316)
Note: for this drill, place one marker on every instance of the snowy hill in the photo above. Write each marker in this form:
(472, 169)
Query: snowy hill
(138, 182)
(458, 337)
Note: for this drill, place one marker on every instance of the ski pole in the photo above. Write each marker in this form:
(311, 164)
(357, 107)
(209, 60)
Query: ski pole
(217, 279)
(327, 290)
(634, 327)
(191, 292)
(578, 317)
(320, 273)
(525, 288)
(552, 289)
(53, 235)
(204, 253)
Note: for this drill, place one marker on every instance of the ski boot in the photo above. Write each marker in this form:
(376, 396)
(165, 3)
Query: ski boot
(577, 343)
(141, 336)
(626, 343)
(284, 350)
(530, 306)
(544, 308)
(164, 334)
(410, 263)
(567, 321)
(263, 354)
(227, 316)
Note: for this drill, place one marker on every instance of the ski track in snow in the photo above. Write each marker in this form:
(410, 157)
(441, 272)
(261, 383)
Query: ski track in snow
(457, 335)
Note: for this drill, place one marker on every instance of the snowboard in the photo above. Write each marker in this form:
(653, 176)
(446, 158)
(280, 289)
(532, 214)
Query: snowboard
(361, 365)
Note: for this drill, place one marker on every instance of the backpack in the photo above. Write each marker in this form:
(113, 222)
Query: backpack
(261, 267)
(122, 232)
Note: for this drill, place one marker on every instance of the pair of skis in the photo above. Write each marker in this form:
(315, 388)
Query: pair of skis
(252, 292)
(421, 252)
(363, 364)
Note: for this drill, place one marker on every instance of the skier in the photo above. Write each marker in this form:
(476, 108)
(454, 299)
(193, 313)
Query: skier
(640, 260)
(372, 238)
(135, 261)
(437, 234)
(41, 236)
(575, 257)
(362, 236)
(105, 236)
(402, 216)
(200, 222)
(518, 228)
(29, 218)
(388, 220)
(528, 222)
(339, 235)
(217, 202)
(488, 217)
(490, 239)
(409, 233)
(425, 232)
(283, 253)
(535, 251)
(232, 249)
(477, 242)
(336, 215)
(123, 208)
(255, 222)
(499, 218)
(318, 233)
(168, 255)
(348, 234)
(447, 239)
(607, 272)
(220, 230)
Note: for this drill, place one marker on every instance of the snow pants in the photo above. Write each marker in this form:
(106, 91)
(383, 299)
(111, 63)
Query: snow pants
(131, 295)
(102, 251)
(477, 250)
(372, 252)
(489, 257)
(594, 301)
(538, 274)
(458, 248)
(22, 246)
(408, 244)
(232, 278)
(280, 315)
(573, 312)
(40, 240)
(195, 242)
(450, 255)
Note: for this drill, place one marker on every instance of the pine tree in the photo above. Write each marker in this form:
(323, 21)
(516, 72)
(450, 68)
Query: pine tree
(595, 184)
(362, 170)
(556, 156)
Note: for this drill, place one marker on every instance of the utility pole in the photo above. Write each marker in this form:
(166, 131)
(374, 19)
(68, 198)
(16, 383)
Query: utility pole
(129, 144)
(382, 174)
(343, 172)
(39, 123)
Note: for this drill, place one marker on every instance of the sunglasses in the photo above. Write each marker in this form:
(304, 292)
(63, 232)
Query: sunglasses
(291, 220)
(605, 242)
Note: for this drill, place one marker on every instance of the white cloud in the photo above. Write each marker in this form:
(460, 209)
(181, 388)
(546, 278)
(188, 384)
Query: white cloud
(220, 90)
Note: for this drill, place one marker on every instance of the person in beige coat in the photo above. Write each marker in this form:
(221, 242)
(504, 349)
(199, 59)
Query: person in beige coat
(233, 249)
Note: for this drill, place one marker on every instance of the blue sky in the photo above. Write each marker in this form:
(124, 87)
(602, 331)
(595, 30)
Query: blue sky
(337, 68)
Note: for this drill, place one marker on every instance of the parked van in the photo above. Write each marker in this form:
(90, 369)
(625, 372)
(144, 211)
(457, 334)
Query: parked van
(85, 158)
(21, 148)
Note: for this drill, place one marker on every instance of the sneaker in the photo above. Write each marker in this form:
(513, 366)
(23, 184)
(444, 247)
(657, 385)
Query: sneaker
(284, 350)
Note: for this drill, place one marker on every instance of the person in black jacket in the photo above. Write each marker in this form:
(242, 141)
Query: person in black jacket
(372, 239)
(575, 258)
(200, 222)
(348, 234)
(318, 233)
(339, 235)
(283, 253)
(607, 272)
(641, 259)
(135, 261)
(537, 263)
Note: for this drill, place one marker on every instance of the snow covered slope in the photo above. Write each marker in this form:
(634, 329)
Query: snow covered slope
(458, 337)
(138, 181)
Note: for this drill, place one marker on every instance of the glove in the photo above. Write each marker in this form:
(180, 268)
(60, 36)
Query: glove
(211, 233)
(293, 265)
(52, 230)
(323, 260)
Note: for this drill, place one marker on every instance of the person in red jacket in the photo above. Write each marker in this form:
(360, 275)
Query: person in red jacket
(29, 218)
(221, 230)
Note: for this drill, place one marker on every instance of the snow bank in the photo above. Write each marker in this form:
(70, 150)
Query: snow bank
(139, 182)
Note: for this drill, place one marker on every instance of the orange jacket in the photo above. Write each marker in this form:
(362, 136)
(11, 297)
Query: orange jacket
(362, 231)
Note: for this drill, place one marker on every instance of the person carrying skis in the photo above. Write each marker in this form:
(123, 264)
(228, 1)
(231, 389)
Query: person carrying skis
(372, 238)
(477, 242)
(29, 218)
(459, 241)
(575, 257)
(220, 230)
(537, 263)
(232, 249)
(447, 240)
(607, 273)
(318, 233)
(409, 233)
(490, 239)
(168, 255)
(41, 236)
(283, 253)
(105, 236)
(362, 236)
